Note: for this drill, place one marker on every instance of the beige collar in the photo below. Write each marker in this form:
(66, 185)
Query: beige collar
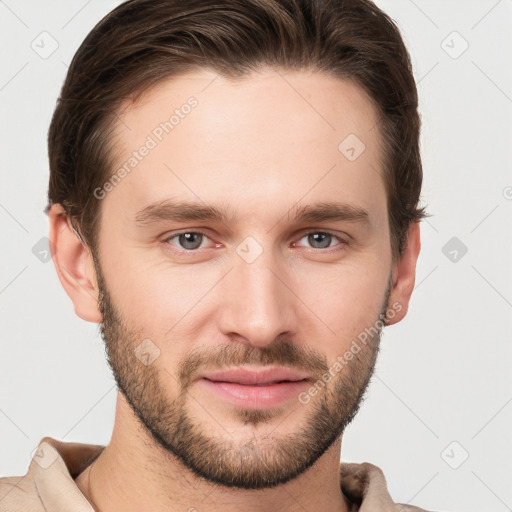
(56, 464)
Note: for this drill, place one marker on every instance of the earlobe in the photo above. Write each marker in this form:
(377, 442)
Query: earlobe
(404, 275)
(74, 265)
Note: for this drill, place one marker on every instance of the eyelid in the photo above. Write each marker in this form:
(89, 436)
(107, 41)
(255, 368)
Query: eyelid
(340, 234)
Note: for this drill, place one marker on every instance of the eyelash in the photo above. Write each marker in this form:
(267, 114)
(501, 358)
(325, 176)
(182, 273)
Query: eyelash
(335, 248)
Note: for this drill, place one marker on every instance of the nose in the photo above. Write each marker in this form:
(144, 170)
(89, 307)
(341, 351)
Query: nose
(257, 303)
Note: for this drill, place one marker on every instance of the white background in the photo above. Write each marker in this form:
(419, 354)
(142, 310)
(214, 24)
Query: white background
(444, 373)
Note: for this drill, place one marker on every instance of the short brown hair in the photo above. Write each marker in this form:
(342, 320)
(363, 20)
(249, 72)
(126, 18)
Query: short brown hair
(142, 42)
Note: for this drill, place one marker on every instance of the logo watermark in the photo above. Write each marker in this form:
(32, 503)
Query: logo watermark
(151, 142)
(343, 359)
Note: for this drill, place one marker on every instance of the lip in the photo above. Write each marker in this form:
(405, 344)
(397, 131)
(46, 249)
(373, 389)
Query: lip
(253, 376)
(252, 388)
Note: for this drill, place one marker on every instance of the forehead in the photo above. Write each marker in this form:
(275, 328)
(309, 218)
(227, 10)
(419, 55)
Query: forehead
(272, 138)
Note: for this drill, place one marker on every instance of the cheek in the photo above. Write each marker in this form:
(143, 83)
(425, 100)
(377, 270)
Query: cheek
(171, 303)
(341, 302)
(149, 289)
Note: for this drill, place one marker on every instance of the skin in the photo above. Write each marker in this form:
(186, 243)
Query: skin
(262, 146)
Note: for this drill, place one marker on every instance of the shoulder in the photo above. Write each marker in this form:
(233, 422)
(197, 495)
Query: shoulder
(19, 493)
(366, 484)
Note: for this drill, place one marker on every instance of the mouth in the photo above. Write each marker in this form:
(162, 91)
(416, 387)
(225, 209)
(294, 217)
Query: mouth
(257, 383)
(255, 387)
(254, 376)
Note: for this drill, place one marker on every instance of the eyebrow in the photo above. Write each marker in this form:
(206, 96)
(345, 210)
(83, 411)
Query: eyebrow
(186, 211)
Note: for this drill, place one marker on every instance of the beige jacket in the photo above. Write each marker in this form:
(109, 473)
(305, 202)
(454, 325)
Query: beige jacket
(49, 483)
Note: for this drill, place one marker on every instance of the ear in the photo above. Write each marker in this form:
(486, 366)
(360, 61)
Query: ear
(74, 264)
(404, 274)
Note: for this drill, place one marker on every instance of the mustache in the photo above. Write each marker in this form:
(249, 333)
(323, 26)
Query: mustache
(278, 353)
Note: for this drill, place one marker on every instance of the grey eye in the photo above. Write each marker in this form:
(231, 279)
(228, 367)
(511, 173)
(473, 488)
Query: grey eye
(189, 241)
(323, 239)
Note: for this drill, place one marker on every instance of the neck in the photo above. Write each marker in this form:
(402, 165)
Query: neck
(134, 474)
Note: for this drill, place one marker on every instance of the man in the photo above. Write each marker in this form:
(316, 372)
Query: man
(234, 197)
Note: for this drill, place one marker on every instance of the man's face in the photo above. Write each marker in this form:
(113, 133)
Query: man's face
(183, 298)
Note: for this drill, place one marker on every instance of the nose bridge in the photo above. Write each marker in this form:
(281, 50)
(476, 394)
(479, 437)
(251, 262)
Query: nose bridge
(258, 305)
